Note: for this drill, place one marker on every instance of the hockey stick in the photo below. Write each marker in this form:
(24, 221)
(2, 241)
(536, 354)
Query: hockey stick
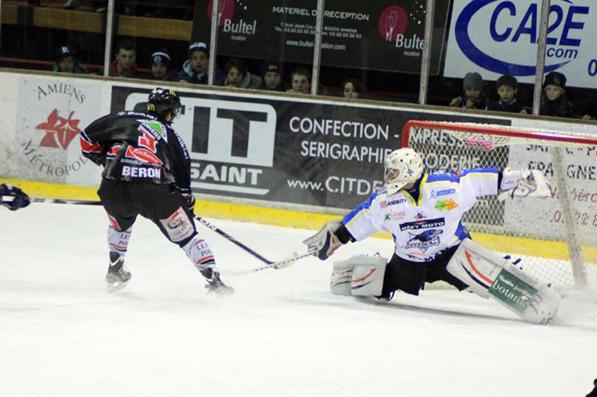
(222, 233)
(62, 201)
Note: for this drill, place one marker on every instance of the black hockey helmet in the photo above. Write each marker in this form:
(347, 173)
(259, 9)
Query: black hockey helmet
(162, 101)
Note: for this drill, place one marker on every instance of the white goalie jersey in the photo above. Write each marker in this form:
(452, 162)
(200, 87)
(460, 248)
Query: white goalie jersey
(424, 228)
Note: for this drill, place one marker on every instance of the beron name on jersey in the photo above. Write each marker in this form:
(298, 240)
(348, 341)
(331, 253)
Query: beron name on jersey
(141, 172)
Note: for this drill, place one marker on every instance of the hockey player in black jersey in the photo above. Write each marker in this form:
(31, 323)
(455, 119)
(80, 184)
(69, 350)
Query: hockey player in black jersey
(147, 172)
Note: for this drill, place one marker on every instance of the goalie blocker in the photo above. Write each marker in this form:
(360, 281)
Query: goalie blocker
(486, 273)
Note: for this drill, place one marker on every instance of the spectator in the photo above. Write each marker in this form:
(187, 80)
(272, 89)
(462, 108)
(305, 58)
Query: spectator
(473, 97)
(300, 81)
(554, 101)
(271, 74)
(353, 88)
(160, 66)
(66, 61)
(507, 90)
(194, 70)
(125, 62)
(238, 76)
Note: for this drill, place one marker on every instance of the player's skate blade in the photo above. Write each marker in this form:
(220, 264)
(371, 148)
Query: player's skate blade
(214, 284)
(117, 279)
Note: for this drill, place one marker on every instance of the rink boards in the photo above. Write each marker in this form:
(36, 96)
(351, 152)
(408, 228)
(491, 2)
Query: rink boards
(554, 250)
(288, 161)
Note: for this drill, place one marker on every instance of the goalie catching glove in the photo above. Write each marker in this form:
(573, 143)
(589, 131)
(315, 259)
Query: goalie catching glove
(326, 241)
(523, 183)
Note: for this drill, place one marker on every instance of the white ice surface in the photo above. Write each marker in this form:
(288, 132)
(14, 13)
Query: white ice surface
(281, 334)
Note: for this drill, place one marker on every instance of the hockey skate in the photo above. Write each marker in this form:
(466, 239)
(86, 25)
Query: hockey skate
(214, 284)
(118, 275)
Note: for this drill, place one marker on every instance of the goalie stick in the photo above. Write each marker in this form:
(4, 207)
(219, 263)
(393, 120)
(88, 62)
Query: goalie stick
(269, 263)
(277, 265)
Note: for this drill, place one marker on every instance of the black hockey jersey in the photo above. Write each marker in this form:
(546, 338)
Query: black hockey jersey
(137, 147)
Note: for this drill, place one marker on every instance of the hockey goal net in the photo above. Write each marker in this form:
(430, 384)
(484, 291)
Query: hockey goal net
(556, 237)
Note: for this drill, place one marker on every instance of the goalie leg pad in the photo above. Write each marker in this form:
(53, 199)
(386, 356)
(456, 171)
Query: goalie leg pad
(360, 275)
(341, 278)
(491, 276)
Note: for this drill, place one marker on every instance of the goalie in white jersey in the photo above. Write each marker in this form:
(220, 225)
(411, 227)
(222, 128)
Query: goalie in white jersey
(424, 212)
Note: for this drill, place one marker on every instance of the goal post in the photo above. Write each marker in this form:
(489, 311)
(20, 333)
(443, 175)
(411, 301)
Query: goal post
(556, 236)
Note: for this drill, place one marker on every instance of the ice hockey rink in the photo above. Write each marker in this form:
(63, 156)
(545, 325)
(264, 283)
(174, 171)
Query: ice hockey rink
(281, 334)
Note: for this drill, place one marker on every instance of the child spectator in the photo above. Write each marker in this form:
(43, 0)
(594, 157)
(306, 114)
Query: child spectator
(194, 70)
(507, 90)
(271, 73)
(300, 81)
(125, 62)
(66, 61)
(238, 76)
(353, 88)
(554, 101)
(473, 97)
(160, 66)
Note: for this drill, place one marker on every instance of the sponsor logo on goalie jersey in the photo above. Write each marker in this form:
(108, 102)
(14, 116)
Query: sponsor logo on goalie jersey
(386, 204)
(423, 224)
(445, 205)
(440, 193)
(423, 241)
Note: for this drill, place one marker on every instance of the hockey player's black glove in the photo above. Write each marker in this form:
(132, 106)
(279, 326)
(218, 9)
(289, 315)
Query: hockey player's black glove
(12, 197)
(190, 201)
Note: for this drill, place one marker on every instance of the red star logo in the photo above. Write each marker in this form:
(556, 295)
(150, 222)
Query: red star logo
(59, 131)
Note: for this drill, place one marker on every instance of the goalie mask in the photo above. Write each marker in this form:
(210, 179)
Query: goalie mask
(402, 167)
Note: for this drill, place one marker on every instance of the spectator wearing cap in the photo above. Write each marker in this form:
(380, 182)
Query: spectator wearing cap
(271, 74)
(352, 88)
(125, 60)
(160, 66)
(195, 69)
(473, 97)
(237, 75)
(66, 61)
(507, 90)
(554, 101)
